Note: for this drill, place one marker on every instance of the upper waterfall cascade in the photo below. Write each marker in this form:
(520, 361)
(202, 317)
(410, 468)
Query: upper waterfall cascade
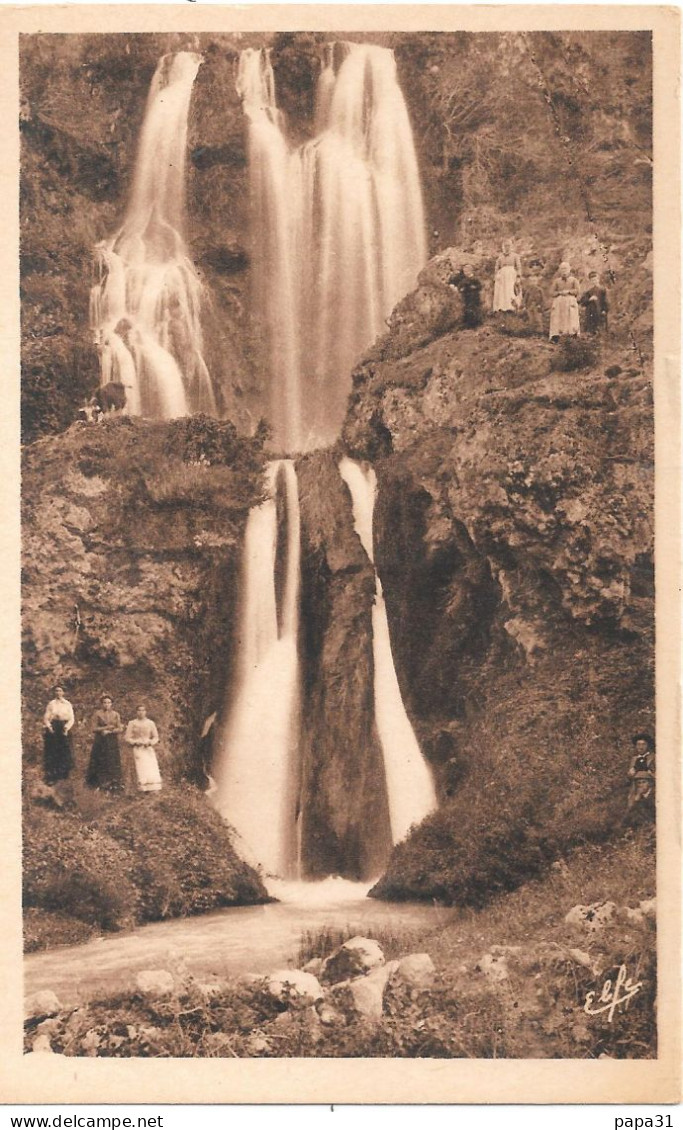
(338, 231)
(145, 303)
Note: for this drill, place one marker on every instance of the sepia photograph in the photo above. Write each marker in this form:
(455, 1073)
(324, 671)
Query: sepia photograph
(338, 711)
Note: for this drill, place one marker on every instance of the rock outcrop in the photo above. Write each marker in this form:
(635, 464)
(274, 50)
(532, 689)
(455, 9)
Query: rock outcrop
(514, 540)
(131, 558)
(345, 816)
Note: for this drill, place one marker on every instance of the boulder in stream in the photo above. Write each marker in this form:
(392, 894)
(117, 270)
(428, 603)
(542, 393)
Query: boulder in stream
(355, 958)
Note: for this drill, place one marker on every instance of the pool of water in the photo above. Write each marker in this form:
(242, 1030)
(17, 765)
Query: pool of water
(245, 939)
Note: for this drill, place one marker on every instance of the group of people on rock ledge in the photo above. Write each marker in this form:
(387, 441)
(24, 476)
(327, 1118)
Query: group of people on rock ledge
(513, 294)
(106, 768)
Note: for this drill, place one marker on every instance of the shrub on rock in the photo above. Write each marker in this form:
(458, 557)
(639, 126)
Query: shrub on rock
(77, 870)
(183, 859)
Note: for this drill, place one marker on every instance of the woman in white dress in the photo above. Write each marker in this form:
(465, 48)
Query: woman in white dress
(564, 312)
(508, 270)
(142, 735)
(58, 720)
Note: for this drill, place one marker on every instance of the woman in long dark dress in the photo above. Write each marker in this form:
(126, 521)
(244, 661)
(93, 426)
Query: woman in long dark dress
(104, 767)
(58, 758)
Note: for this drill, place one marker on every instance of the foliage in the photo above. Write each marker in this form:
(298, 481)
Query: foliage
(394, 938)
(438, 861)
(44, 929)
(573, 354)
(129, 861)
(153, 464)
(183, 860)
(78, 870)
(193, 438)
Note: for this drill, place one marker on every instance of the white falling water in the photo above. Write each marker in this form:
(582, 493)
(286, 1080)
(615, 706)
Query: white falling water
(145, 304)
(410, 787)
(338, 239)
(256, 764)
(338, 231)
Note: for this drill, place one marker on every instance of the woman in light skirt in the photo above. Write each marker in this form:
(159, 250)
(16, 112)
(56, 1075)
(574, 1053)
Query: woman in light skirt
(564, 312)
(142, 735)
(508, 271)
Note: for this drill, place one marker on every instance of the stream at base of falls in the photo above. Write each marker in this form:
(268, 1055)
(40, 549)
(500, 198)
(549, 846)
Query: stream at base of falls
(227, 943)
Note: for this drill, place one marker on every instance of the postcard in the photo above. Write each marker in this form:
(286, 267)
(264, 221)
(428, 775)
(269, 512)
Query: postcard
(342, 468)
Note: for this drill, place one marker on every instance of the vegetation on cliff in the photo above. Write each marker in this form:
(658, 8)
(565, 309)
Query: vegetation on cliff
(105, 863)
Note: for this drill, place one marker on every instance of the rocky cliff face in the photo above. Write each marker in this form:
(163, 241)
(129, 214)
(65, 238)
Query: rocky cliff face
(514, 540)
(345, 817)
(131, 558)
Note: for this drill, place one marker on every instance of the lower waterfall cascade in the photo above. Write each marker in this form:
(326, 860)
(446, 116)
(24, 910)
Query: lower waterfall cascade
(255, 763)
(410, 786)
(256, 767)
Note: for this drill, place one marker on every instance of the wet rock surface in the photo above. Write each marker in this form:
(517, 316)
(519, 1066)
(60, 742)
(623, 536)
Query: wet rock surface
(345, 817)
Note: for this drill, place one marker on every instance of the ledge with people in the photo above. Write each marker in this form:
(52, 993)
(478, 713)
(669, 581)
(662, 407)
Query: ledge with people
(109, 770)
(569, 307)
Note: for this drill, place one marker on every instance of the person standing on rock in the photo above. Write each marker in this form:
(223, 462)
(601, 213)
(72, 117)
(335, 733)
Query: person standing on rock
(595, 305)
(641, 772)
(534, 303)
(564, 312)
(104, 767)
(469, 287)
(508, 271)
(142, 735)
(58, 720)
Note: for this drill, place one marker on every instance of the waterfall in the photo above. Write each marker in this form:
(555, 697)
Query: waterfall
(255, 755)
(145, 303)
(338, 231)
(409, 781)
(337, 240)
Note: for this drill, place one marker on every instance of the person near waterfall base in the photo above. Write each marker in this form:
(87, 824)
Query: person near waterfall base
(142, 735)
(469, 287)
(104, 768)
(508, 271)
(58, 756)
(564, 312)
